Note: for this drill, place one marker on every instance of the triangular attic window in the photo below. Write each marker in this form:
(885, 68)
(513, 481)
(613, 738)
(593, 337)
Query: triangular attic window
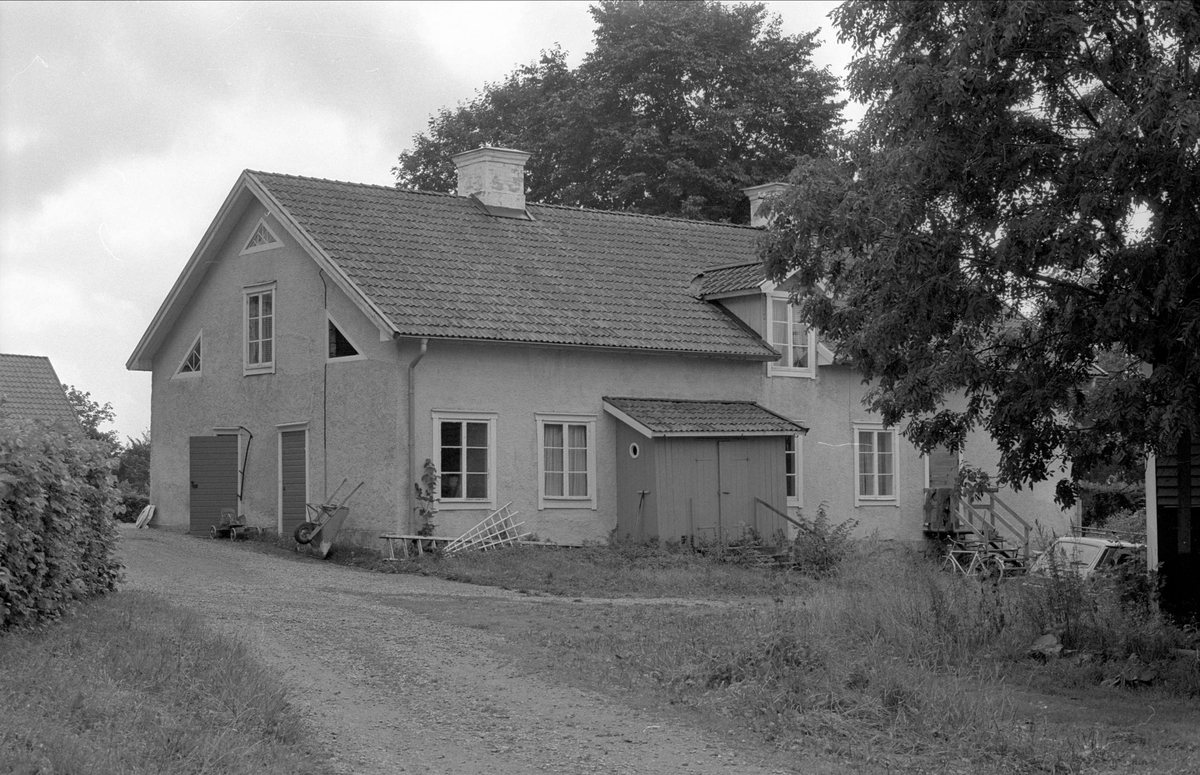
(261, 239)
(339, 345)
(191, 364)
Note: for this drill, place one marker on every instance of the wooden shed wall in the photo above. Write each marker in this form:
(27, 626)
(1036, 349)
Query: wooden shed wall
(637, 516)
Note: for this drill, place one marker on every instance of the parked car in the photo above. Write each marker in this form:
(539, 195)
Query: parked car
(1085, 557)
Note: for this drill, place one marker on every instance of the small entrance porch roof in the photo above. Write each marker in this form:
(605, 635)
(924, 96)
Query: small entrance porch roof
(668, 417)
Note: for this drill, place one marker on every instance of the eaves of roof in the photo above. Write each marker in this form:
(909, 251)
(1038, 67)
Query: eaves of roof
(668, 417)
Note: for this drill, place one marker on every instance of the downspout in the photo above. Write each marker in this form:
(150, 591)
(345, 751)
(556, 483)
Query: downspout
(413, 475)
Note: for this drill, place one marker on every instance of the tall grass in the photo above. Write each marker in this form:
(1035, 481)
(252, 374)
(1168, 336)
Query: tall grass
(131, 685)
(889, 657)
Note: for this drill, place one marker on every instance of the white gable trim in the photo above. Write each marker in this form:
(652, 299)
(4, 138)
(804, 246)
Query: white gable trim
(272, 245)
(246, 190)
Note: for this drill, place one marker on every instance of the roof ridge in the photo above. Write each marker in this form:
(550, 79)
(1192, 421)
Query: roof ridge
(397, 189)
(671, 218)
(22, 355)
(380, 186)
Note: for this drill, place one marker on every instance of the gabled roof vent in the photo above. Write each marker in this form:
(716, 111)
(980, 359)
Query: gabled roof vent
(494, 177)
(760, 194)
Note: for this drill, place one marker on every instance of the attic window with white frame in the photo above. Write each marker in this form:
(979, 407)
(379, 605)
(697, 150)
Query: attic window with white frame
(190, 367)
(262, 238)
(259, 329)
(795, 341)
(340, 347)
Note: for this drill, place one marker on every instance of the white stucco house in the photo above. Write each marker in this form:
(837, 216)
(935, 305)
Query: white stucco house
(601, 371)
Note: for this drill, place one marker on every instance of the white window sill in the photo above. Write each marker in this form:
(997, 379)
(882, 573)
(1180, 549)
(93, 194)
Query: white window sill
(545, 504)
(877, 502)
(784, 371)
(249, 371)
(347, 358)
(477, 505)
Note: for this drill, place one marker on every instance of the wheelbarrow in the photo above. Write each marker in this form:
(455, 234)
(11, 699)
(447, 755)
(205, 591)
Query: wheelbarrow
(324, 520)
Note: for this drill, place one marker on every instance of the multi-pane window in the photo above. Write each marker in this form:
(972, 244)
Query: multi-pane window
(260, 329)
(793, 470)
(465, 459)
(564, 450)
(788, 334)
(567, 461)
(875, 464)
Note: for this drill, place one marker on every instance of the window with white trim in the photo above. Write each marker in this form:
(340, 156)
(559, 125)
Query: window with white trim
(193, 361)
(466, 456)
(340, 346)
(874, 465)
(259, 312)
(262, 238)
(566, 461)
(795, 341)
(794, 468)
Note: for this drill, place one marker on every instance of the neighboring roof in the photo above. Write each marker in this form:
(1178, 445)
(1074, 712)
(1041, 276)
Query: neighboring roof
(437, 265)
(30, 390)
(669, 417)
(732, 278)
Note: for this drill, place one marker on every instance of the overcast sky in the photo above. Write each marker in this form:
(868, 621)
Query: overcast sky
(125, 125)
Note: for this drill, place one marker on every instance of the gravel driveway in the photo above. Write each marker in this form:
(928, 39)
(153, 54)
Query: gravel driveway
(392, 691)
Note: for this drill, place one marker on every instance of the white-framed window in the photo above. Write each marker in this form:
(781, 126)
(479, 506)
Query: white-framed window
(566, 461)
(466, 459)
(874, 465)
(192, 362)
(339, 348)
(794, 468)
(262, 238)
(792, 338)
(258, 338)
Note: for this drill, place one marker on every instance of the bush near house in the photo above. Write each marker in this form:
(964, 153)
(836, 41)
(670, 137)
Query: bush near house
(57, 535)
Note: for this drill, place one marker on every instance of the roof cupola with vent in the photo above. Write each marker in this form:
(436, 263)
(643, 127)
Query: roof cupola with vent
(495, 178)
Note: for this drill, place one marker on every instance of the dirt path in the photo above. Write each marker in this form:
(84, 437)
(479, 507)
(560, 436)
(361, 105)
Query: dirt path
(395, 692)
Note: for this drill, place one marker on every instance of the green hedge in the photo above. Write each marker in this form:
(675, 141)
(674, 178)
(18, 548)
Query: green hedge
(57, 533)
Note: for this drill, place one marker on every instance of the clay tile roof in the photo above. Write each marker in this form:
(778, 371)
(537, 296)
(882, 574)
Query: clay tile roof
(30, 390)
(669, 417)
(437, 265)
(732, 278)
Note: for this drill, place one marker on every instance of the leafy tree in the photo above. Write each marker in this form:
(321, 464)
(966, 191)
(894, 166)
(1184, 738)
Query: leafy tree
(92, 415)
(1021, 196)
(678, 107)
(133, 476)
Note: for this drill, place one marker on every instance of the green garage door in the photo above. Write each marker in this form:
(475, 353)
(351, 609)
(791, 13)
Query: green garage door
(292, 478)
(212, 463)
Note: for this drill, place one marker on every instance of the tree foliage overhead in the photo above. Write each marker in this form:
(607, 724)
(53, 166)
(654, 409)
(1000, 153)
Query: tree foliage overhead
(1021, 197)
(678, 107)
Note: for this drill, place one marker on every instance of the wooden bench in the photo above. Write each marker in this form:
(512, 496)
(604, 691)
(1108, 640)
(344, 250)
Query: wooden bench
(417, 544)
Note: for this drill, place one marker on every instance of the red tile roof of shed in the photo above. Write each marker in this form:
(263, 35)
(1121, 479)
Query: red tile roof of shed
(437, 265)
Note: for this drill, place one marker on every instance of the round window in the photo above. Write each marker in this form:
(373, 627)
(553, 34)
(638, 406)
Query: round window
(634, 450)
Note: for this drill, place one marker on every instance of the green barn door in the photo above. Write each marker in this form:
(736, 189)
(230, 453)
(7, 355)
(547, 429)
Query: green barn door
(212, 465)
(293, 479)
(737, 500)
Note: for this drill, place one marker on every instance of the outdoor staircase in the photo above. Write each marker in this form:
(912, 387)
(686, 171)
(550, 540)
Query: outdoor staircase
(986, 523)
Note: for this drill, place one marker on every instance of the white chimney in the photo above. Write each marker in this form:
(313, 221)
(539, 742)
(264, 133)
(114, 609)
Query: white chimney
(758, 195)
(495, 177)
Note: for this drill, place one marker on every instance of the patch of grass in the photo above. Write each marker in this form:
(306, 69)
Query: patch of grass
(129, 684)
(894, 662)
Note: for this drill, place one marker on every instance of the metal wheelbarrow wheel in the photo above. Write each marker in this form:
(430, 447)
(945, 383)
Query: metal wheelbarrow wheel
(305, 532)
